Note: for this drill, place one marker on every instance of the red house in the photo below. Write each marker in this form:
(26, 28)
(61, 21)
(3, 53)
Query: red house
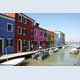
(23, 32)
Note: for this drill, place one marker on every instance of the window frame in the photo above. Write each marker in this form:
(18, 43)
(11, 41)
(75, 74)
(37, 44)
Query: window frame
(10, 44)
(25, 20)
(41, 33)
(11, 27)
(35, 32)
(31, 24)
(24, 32)
(21, 30)
(24, 43)
(18, 18)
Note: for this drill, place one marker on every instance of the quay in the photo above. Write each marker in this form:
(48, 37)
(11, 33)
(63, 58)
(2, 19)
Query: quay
(7, 57)
(16, 55)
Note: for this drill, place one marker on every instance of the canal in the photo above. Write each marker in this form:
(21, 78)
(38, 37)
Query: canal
(60, 58)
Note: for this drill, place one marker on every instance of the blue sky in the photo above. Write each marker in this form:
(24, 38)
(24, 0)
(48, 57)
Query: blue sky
(69, 23)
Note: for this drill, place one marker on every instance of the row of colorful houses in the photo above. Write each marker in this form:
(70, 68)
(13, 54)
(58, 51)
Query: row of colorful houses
(20, 33)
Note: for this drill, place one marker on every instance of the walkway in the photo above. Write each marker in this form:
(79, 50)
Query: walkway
(15, 55)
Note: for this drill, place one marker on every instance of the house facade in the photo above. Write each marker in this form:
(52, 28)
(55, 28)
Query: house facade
(7, 25)
(55, 39)
(51, 39)
(39, 37)
(61, 38)
(42, 38)
(48, 37)
(27, 35)
(23, 32)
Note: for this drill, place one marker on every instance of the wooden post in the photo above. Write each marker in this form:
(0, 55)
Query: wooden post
(6, 54)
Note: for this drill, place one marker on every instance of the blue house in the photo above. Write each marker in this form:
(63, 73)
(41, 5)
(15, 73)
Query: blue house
(60, 38)
(7, 25)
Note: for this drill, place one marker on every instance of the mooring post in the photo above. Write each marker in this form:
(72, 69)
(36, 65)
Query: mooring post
(6, 53)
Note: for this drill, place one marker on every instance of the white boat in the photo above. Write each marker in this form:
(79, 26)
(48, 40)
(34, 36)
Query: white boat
(13, 62)
(56, 49)
(43, 54)
(37, 54)
(74, 50)
(40, 57)
(50, 51)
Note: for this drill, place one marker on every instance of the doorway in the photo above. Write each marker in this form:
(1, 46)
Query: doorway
(19, 45)
(28, 45)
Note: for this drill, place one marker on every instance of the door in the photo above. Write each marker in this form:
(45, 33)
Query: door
(0, 46)
(19, 45)
(28, 45)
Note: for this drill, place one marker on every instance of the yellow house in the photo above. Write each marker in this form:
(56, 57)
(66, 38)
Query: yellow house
(47, 39)
(51, 38)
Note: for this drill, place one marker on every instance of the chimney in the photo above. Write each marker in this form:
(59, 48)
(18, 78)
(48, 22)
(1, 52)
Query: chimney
(37, 24)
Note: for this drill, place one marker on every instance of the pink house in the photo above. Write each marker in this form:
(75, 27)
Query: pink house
(39, 37)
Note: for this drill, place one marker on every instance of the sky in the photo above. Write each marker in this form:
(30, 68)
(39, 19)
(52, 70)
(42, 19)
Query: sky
(68, 23)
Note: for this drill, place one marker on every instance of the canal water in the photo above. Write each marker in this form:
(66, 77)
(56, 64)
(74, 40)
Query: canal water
(60, 58)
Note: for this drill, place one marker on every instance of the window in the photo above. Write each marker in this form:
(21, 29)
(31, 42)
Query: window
(24, 43)
(9, 42)
(9, 27)
(40, 43)
(35, 32)
(28, 44)
(25, 21)
(24, 31)
(19, 18)
(31, 24)
(41, 33)
(19, 30)
(45, 34)
(32, 33)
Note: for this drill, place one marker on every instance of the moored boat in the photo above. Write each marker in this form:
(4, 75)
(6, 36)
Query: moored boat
(34, 56)
(50, 51)
(13, 62)
(56, 49)
(74, 51)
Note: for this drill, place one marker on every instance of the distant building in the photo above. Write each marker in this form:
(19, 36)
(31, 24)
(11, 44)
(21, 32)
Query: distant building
(7, 25)
(55, 39)
(48, 39)
(51, 39)
(61, 38)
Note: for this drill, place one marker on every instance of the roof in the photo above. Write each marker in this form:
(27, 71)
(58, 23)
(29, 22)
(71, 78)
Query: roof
(5, 16)
(28, 17)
